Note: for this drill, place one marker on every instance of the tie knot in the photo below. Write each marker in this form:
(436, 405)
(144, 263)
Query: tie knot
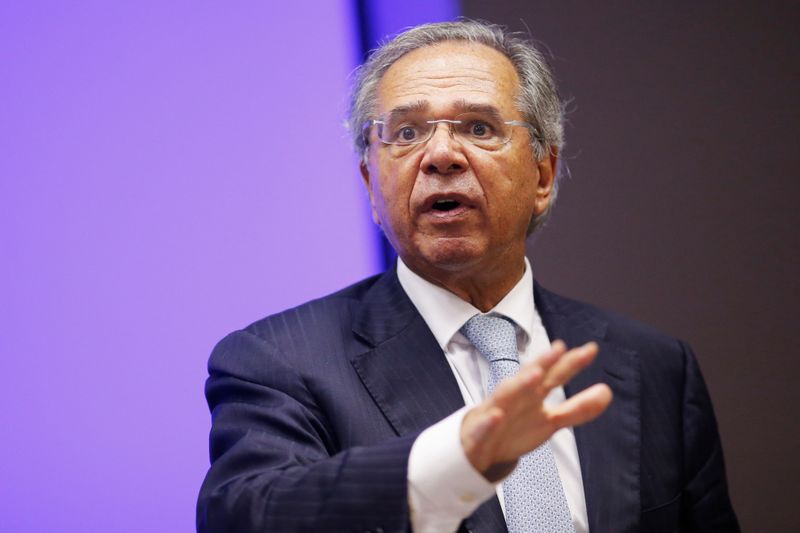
(494, 337)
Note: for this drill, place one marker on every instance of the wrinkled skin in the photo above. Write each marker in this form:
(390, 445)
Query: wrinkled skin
(476, 250)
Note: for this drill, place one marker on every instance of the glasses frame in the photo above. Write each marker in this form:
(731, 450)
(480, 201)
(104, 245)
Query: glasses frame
(451, 123)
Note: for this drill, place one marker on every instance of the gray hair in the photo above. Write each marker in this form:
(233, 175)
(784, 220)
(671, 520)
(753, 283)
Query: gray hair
(537, 100)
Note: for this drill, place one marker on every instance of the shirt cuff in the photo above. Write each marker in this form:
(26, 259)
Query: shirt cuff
(443, 486)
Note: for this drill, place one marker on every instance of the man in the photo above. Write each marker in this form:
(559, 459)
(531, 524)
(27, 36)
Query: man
(431, 397)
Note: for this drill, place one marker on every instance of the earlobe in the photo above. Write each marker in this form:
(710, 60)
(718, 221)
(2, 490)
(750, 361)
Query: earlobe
(366, 178)
(547, 167)
(364, 172)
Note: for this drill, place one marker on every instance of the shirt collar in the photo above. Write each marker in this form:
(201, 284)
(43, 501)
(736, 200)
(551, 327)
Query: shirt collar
(445, 313)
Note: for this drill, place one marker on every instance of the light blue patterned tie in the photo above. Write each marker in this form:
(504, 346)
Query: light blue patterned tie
(534, 498)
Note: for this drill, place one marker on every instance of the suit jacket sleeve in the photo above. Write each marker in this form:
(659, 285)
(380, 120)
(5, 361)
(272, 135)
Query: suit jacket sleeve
(276, 465)
(707, 507)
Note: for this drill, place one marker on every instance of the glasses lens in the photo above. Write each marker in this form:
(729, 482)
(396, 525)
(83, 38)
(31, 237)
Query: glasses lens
(404, 130)
(482, 129)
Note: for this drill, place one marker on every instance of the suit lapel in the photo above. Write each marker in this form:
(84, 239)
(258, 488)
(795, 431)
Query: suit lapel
(407, 375)
(608, 447)
(404, 370)
(414, 387)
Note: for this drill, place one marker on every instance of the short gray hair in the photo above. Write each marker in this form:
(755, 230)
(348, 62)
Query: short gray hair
(537, 101)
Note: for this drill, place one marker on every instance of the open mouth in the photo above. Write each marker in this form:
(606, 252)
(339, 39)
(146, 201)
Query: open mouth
(445, 205)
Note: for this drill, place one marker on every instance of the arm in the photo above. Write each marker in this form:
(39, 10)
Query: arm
(474, 448)
(275, 464)
(706, 505)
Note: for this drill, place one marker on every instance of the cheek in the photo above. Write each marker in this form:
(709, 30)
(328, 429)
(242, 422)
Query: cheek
(525, 177)
(396, 185)
(515, 196)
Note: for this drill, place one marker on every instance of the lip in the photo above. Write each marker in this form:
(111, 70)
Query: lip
(458, 212)
(464, 201)
(456, 215)
(466, 204)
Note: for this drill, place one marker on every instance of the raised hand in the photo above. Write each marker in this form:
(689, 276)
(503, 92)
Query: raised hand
(514, 420)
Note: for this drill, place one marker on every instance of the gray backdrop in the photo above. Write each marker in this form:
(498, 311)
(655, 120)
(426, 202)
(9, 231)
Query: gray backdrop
(681, 206)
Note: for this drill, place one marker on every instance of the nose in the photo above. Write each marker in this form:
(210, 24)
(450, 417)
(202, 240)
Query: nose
(444, 154)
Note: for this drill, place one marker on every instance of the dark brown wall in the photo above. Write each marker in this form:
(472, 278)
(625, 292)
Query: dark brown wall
(681, 211)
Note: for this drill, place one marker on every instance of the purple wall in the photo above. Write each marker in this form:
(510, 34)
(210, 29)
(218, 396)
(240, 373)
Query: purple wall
(169, 171)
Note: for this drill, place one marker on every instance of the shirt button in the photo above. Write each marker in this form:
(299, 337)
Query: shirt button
(467, 497)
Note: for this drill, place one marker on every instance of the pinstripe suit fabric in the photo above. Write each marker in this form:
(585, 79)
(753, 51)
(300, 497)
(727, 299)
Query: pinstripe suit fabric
(314, 411)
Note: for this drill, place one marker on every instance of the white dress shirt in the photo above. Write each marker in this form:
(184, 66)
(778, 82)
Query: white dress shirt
(443, 487)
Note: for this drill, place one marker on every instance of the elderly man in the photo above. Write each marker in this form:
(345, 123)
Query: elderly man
(431, 397)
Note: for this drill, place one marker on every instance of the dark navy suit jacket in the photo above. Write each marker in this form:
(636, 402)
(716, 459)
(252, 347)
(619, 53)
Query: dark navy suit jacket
(315, 410)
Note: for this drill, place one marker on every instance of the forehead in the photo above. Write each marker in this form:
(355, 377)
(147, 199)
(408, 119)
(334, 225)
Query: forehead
(449, 74)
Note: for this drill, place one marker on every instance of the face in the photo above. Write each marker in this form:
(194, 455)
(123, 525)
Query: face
(448, 206)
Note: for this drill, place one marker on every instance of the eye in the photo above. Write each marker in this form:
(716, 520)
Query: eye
(479, 129)
(406, 134)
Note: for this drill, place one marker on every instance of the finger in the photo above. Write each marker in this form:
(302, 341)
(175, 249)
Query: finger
(583, 407)
(568, 365)
(548, 358)
(523, 384)
(528, 384)
(530, 374)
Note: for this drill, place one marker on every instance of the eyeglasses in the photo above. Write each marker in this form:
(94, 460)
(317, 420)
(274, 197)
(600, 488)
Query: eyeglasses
(484, 130)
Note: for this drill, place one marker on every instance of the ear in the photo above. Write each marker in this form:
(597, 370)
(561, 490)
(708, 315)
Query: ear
(367, 178)
(547, 179)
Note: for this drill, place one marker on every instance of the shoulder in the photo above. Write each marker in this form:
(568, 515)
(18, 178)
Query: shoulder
(655, 349)
(619, 326)
(296, 336)
(320, 314)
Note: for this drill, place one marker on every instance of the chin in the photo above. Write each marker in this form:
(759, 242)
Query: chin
(451, 254)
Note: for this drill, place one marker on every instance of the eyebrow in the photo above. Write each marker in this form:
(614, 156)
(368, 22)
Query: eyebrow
(460, 106)
(403, 110)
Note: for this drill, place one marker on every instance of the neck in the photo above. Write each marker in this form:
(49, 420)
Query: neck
(482, 286)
